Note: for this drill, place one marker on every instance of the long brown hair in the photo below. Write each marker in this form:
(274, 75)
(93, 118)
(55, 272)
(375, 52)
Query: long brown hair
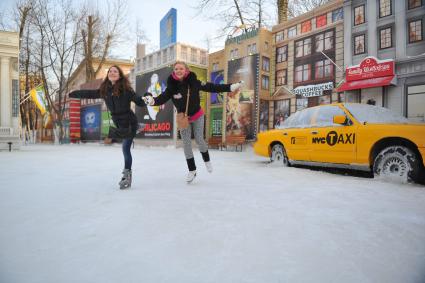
(121, 85)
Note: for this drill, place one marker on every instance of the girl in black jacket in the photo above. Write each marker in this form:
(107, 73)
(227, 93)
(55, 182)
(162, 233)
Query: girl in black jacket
(118, 94)
(178, 84)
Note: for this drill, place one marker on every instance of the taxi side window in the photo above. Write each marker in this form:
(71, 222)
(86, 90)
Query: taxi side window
(325, 116)
(302, 118)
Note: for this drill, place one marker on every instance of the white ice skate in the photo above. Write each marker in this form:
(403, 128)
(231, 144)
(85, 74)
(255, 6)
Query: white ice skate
(125, 182)
(190, 176)
(209, 166)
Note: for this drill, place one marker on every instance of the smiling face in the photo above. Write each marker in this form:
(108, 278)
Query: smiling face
(180, 70)
(113, 75)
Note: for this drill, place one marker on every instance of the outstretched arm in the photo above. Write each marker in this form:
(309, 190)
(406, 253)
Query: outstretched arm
(137, 99)
(210, 87)
(162, 98)
(85, 93)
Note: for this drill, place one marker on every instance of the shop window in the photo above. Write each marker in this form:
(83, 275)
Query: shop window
(292, 32)
(282, 110)
(302, 73)
(384, 8)
(349, 97)
(415, 31)
(263, 120)
(321, 21)
(281, 77)
(414, 4)
(323, 69)
(359, 44)
(385, 38)
(303, 48)
(416, 103)
(359, 15)
(282, 54)
(305, 118)
(266, 64)
(306, 26)
(337, 15)
(279, 36)
(265, 82)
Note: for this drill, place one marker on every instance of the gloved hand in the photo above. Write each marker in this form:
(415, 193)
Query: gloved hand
(236, 86)
(149, 100)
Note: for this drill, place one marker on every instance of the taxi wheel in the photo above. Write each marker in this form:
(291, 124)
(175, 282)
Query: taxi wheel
(397, 163)
(279, 156)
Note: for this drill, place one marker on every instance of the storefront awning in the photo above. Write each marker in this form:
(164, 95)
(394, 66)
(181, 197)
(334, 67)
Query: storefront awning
(367, 83)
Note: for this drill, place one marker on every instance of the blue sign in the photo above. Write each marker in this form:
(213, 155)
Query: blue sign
(91, 122)
(168, 29)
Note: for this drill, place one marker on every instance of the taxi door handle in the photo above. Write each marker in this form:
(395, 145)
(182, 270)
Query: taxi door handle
(314, 132)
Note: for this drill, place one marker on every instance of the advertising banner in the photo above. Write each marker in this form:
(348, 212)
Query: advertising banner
(39, 98)
(91, 122)
(264, 115)
(201, 74)
(240, 110)
(216, 120)
(106, 122)
(168, 28)
(155, 121)
(217, 78)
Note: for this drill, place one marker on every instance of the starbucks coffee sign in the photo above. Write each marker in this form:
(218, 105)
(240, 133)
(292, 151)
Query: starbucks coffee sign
(313, 90)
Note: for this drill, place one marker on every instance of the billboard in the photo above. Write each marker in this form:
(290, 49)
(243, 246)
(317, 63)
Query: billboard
(91, 122)
(217, 78)
(168, 29)
(240, 110)
(157, 121)
(264, 116)
(216, 120)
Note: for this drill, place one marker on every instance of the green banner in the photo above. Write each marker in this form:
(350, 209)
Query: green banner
(216, 121)
(106, 121)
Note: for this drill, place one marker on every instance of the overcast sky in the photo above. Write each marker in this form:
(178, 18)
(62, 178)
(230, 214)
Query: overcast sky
(191, 29)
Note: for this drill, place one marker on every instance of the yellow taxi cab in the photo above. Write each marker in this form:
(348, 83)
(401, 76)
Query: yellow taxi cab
(349, 135)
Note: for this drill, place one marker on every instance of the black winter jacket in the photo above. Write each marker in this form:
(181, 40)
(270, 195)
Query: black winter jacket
(119, 106)
(177, 91)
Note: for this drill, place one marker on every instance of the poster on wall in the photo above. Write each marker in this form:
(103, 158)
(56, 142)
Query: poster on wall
(106, 122)
(216, 121)
(217, 78)
(155, 121)
(282, 110)
(90, 122)
(240, 110)
(264, 116)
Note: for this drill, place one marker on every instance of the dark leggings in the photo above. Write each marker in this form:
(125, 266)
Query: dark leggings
(126, 145)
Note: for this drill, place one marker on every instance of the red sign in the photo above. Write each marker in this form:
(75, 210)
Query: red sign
(370, 67)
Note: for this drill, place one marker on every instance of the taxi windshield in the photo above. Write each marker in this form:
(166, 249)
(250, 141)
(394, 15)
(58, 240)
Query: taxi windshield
(365, 113)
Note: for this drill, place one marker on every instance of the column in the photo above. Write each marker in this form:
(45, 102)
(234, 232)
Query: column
(5, 93)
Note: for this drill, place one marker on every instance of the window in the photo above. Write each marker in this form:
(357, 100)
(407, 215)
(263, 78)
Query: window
(184, 53)
(337, 15)
(359, 17)
(265, 82)
(266, 45)
(321, 21)
(171, 53)
(306, 26)
(252, 49)
(292, 32)
(151, 61)
(158, 58)
(144, 63)
(193, 55)
(203, 58)
(281, 77)
(415, 31)
(324, 117)
(414, 4)
(234, 53)
(266, 64)
(323, 69)
(319, 42)
(282, 54)
(303, 48)
(416, 103)
(329, 40)
(359, 44)
(15, 98)
(302, 73)
(215, 67)
(164, 56)
(385, 38)
(384, 8)
(279, 36)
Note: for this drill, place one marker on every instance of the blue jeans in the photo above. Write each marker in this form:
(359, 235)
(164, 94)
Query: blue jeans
(126, 145)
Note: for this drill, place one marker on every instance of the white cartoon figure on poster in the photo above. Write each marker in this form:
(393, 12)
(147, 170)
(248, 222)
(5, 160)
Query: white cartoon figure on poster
(155, 89)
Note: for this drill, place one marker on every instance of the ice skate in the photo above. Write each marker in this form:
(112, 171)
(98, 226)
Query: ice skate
(209, 166)
(190, 176)
(125, 182)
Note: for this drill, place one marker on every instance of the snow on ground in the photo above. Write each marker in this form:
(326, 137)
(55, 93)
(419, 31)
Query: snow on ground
(63, 219)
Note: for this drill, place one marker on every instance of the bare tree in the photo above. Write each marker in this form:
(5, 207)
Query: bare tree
(102, 31)
(298, 7)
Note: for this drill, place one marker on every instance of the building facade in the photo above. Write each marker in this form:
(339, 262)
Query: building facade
(248, 57)
(307, 62)
(388, 32)
(9, 90)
